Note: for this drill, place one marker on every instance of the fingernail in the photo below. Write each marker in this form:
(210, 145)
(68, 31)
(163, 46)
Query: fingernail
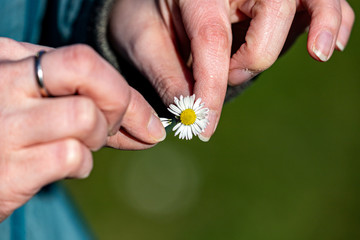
(156, 129)
(343, 36)
(238, 76)
(323, 45)
(210, 129)
(340, 46)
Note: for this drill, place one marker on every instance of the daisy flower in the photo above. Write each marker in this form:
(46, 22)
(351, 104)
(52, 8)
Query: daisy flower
(191, 117)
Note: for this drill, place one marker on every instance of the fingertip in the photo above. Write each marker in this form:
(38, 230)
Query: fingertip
(78, 159)
(340, 46)
(348, 18)
(213, 118)
(343, 37)
(323, 46)
(203, 138)
(239, 76)
(156, 128)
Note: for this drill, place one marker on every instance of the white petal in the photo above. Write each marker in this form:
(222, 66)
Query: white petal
(186, 102)
(197, 103)
(202, 110)
(182, 133)
(177, 102)
(175, 108)
(202, 113)
(173, 112)
(196, 129)
(189, 133)
(179, 130)
(191, 102)
(177, 126)
(193, 129)
(165, 122)
(200, 107)
(181, 104)
(202, 125)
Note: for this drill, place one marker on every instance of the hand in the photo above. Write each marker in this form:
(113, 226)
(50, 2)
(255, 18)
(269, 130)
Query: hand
(160, 36)
(46, 139)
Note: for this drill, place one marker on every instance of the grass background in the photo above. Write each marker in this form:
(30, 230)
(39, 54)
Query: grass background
(283, 164)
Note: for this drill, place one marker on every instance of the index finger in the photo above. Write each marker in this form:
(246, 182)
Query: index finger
(208, 27)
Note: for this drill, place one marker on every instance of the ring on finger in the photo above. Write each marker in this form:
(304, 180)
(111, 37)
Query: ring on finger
(39, 75)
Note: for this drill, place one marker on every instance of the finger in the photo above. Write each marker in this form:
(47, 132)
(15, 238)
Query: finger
(54, 161)
(39, 165)
(123, 140)
(83, 72)
(159, 61)
(79, 70)
(208, 27)
(12, 50)
(147, 130)
(56, 118)
(326, 17)
(265, 38)
(348, 18)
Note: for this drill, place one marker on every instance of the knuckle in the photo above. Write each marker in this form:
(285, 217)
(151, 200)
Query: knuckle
(164, 84)
(280, 8)
(8, 43)
(83, 114)
(73, 155)
(121, 102)
(10, 125)
(80, 59)
(331, 16)
(336, 18)
(259, 60)
(215, 35)
(132, 106)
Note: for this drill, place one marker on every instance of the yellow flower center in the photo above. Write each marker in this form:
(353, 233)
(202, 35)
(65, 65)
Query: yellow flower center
(188, 117)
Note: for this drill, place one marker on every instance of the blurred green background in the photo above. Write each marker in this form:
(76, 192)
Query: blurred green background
(283, 164)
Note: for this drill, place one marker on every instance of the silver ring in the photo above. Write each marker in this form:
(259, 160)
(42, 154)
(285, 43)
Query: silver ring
(39, 75)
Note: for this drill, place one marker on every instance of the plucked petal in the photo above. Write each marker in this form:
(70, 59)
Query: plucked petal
(165, 122)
